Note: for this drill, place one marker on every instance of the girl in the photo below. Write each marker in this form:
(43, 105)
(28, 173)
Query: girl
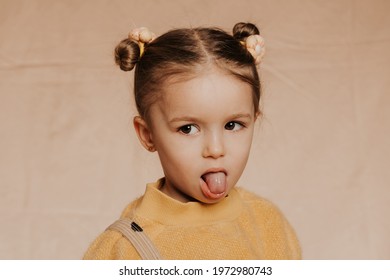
(197, 92)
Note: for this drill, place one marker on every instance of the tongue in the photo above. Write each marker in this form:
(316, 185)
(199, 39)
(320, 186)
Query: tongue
(216, 182)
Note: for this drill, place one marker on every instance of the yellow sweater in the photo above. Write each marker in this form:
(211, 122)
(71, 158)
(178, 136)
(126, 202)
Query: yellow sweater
(241, 226)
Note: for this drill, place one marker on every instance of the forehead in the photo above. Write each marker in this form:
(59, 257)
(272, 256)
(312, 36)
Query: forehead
(206, 93)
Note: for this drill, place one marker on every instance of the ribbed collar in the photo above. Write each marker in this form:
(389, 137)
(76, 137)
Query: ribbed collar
(157, 206)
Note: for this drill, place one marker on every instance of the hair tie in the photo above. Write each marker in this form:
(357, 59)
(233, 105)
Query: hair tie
(256, 46)
(142, 36)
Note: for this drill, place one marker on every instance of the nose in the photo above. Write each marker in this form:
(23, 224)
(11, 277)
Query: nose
(214, 145)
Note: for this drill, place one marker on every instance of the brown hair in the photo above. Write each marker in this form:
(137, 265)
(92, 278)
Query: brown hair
(183, 53)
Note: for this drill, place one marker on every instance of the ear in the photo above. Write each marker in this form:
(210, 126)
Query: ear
(144, 133)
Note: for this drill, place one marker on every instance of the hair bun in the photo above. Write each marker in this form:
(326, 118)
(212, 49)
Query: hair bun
(243, 30)
(127, 54)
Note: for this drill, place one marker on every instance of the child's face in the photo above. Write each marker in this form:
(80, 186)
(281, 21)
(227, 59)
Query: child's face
(202, 130)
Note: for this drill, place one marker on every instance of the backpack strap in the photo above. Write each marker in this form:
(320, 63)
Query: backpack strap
(135, 234)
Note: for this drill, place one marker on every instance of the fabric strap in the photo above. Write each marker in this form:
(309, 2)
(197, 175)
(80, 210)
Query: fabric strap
(135, 234)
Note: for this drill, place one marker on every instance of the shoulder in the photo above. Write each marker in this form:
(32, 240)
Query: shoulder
(275, 229)
(111, 244)
(260, 209)
(129, 210)
(257, 202)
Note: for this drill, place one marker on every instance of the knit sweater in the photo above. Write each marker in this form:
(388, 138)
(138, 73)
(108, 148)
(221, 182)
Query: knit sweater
(241, 226)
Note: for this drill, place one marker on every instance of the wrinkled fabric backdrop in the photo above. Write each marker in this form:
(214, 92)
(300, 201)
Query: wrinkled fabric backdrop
(70, 160)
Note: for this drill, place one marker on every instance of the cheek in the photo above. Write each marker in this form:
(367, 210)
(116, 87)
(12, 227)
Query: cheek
(241, 143)
(175, 153)
(241, 154)
(239, 151)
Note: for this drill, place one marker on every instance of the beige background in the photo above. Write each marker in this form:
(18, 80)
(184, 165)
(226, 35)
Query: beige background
(70, 161)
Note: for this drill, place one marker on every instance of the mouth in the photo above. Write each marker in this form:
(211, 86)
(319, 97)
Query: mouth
(214, 183)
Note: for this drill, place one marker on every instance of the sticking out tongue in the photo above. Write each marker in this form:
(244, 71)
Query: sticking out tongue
(214, 185)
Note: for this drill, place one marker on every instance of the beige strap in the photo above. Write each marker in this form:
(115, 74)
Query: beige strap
(135, 234)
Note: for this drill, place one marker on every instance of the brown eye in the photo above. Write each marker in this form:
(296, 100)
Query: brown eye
(233, 126)
(188, 129)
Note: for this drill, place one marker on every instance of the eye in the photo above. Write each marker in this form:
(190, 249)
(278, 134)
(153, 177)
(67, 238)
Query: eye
(233, 126)
(188, 129)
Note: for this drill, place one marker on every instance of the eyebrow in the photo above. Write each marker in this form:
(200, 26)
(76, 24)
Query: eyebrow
(241, 116)
(193, 119)
(183, 119)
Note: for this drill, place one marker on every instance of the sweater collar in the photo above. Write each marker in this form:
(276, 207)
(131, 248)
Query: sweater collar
(157, 206)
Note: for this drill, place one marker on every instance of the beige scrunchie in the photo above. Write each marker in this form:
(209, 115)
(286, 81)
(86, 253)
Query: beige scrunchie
(142, 35)
(256, 46)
